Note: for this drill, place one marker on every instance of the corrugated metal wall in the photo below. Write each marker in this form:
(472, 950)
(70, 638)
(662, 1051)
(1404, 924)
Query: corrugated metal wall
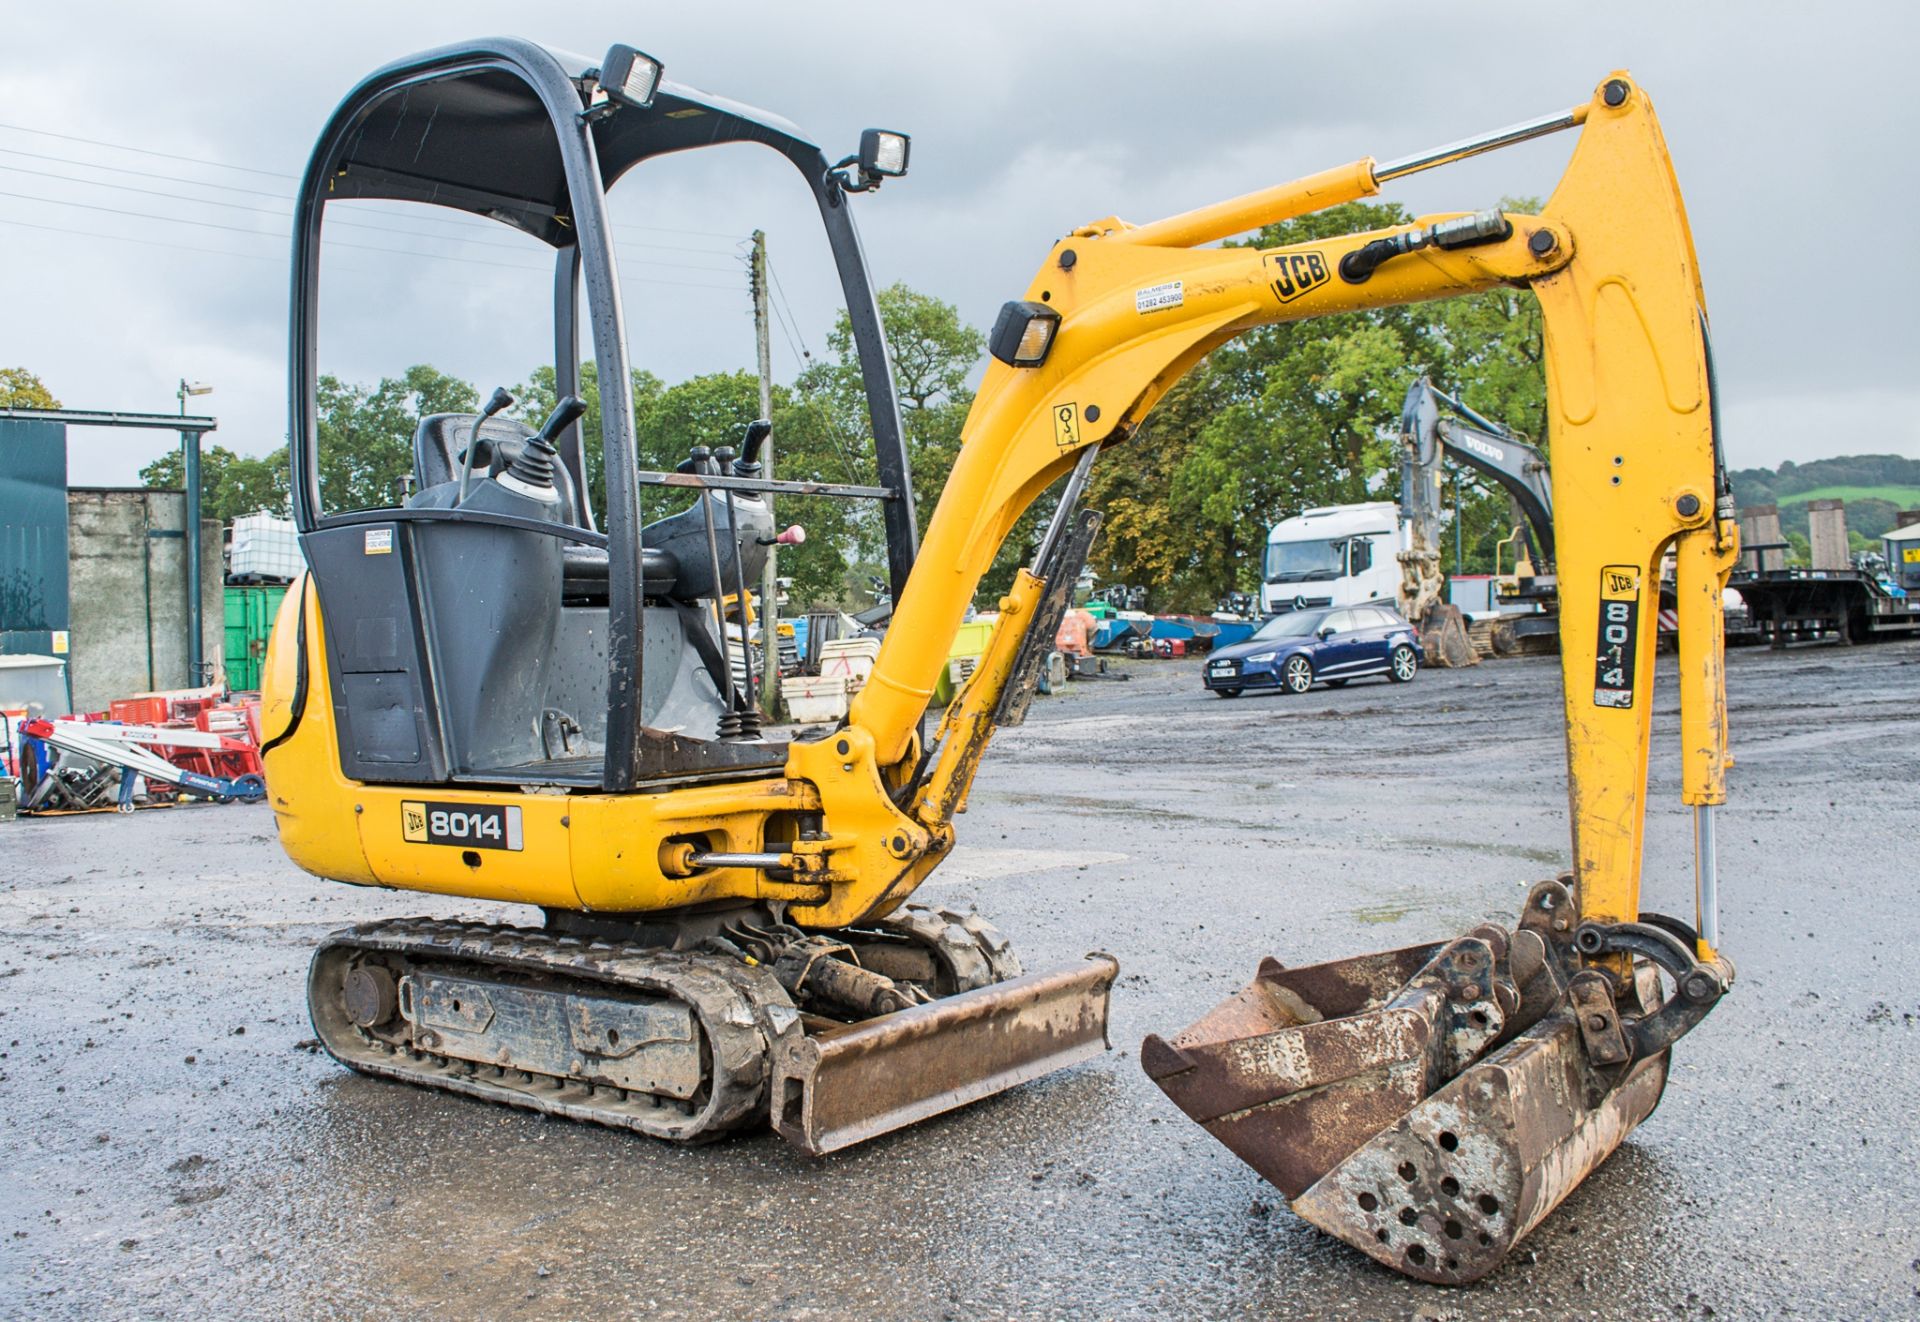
(33, 536)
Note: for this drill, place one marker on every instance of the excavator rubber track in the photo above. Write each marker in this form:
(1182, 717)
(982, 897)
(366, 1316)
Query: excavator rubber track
(676, 1046)
(689, 1046)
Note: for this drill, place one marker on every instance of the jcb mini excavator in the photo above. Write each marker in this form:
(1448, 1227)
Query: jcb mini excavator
(495, 691)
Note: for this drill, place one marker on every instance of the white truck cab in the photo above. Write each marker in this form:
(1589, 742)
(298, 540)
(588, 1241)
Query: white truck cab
(1339, 555)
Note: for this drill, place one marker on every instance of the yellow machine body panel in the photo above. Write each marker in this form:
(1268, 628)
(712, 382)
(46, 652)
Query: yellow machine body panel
(597, 852)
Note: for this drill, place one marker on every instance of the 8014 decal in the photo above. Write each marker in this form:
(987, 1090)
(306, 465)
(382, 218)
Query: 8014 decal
(1619, 635)
(465, 825)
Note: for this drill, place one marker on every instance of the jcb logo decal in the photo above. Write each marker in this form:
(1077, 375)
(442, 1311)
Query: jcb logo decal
(1296, 273)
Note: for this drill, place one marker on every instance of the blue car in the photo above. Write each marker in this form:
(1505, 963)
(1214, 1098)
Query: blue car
(1295, 651)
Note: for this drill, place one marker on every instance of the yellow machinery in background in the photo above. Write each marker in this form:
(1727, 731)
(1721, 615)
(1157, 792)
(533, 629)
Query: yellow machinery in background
(497, 691)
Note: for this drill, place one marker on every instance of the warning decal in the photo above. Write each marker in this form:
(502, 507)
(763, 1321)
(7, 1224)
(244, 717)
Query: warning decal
(1066, 425)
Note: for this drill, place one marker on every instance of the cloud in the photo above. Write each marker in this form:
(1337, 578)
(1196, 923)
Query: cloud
(1027, 119)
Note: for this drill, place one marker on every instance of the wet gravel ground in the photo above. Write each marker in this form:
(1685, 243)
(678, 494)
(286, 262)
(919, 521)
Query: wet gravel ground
(173, 1148)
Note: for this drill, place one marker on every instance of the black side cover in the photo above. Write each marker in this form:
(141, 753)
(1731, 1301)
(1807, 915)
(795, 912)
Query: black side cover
(382, 696)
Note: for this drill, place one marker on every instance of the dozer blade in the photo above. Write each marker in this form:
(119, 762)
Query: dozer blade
(844, 1085)
(1428, 1105)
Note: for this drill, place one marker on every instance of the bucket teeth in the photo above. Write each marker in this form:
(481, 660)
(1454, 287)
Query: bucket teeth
(1447, 1191)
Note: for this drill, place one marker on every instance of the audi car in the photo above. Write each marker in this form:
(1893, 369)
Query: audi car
(1295, 651)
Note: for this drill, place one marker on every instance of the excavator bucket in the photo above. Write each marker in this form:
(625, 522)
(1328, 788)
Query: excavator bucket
(842, 1085)
(1428, 1105)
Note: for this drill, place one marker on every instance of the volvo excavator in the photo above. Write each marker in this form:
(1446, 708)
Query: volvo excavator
(493, 690)
(1433, 423)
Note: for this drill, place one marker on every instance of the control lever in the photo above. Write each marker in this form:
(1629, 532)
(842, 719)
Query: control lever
(748, 464)
(746, 724)
(499, 400)
(793, 536)
(567, 412)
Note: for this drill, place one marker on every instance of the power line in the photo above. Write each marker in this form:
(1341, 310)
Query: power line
(261, 257)
(340, 243)
(149, 243)
(781, 291)
(144, 174)
(470, 225)
(144, 151)
(277, 174)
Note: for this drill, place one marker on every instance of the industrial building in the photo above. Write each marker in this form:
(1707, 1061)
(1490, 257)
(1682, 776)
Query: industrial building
(101, 579)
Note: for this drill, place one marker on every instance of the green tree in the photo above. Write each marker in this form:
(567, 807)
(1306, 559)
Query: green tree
(21, 389)
(1150, 530)
(366, 434)
(932, 353)
(230, 484)
(1302, 414)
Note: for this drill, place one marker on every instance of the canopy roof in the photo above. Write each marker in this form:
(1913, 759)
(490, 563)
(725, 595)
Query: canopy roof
(479, 138)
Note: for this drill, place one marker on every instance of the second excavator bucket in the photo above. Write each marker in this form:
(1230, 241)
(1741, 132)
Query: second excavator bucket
(1428, 1105)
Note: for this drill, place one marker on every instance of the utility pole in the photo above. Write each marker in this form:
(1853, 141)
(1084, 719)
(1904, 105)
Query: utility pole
(769, 580)
(190, 478)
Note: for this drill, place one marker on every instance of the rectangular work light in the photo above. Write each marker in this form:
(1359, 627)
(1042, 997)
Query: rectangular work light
(1022, 333)
(884, 153)
(629, 76)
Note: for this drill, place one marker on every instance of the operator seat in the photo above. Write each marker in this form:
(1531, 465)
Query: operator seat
(439, 455)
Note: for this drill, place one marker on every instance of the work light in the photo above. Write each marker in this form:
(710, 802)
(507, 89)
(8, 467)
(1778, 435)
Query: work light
(1022, 333)
(629, 76)
(883, 153)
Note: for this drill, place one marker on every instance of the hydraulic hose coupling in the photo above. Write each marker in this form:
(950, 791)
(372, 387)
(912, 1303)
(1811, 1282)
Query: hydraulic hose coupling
(1358, 266)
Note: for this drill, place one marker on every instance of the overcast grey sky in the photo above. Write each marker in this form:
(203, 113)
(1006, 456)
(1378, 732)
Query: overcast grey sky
(1791, 128)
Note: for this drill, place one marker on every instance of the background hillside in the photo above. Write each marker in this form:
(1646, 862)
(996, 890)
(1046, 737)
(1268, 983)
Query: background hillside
(1875, 487)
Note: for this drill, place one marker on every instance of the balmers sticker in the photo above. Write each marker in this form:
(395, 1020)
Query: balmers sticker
(1619, 634)
(1157, 298)
(1296, 273)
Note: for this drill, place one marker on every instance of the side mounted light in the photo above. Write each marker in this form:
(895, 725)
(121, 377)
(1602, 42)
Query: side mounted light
(1023, 333)
(882, 156)
(884, 153)
(629, 76)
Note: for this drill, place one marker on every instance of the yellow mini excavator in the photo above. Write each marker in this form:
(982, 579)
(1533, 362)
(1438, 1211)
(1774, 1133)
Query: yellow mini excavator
(495, 690)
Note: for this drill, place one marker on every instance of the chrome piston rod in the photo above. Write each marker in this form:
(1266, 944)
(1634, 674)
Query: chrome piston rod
(739, 860)
(1525, 131)
(1706, 876)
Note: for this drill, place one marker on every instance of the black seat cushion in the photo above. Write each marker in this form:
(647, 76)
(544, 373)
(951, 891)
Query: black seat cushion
(583, 574)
